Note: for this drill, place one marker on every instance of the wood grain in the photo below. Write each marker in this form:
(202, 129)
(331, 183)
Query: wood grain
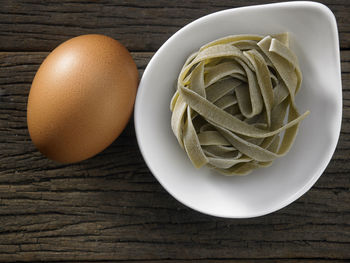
(42, 25)
(111, 207)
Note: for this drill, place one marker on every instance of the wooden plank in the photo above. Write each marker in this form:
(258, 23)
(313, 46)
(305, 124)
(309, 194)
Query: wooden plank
(303, 260)
(42, 25)
(224, 260)
(111, 208)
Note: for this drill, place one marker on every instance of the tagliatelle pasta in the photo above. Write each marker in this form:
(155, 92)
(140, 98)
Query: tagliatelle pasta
(232, 98)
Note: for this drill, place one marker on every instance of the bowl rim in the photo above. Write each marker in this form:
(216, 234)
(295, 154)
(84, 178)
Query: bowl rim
(308, 184)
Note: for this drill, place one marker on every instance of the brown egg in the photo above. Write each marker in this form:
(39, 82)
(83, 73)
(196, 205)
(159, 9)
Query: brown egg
(81, 98)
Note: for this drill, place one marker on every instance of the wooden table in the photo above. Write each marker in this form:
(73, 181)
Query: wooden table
(111, 208)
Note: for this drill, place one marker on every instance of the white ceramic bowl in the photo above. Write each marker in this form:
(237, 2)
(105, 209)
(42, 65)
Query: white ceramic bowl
(314, 38)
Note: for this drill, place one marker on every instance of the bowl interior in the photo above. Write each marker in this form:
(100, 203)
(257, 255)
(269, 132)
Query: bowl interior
(314, 39)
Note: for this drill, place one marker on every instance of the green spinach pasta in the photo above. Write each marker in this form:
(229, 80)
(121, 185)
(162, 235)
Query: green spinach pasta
(234, 107)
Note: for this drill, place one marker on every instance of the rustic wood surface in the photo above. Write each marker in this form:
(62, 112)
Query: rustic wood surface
(111, 208)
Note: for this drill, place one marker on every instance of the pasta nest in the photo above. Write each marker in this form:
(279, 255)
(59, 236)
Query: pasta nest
(232, 98)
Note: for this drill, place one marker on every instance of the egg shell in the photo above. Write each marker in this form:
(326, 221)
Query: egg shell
(81, 98)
